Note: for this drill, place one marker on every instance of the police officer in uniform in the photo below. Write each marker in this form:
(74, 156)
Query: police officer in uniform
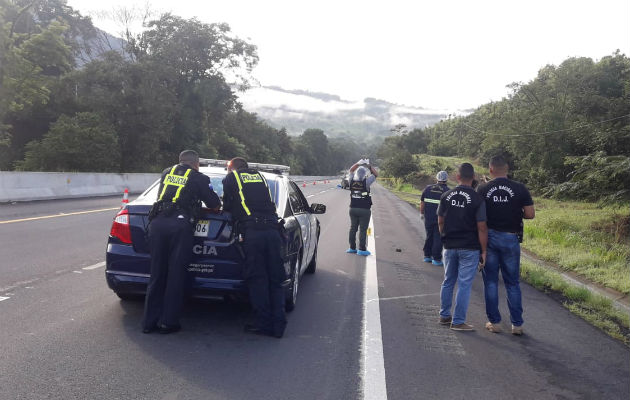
(247, 196)
(172, 218)
(429, 202)
(462, 223)
(507, 203)
(360, 205)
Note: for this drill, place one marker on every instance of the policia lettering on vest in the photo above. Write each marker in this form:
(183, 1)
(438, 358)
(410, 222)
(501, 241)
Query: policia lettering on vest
(247, 196)
(172, 218)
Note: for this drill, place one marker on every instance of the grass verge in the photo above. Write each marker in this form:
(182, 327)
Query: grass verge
(590, 240)
(432, 164)
(595, 309)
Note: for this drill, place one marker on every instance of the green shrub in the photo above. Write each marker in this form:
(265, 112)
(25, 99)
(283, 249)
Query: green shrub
(84, 142)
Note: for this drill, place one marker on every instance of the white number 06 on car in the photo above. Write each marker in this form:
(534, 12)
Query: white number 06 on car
(201, 229)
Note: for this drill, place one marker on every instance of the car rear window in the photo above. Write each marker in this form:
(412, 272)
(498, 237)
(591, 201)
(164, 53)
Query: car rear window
(217, 185)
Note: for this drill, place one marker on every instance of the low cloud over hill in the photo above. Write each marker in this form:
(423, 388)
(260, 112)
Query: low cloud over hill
(297, 110)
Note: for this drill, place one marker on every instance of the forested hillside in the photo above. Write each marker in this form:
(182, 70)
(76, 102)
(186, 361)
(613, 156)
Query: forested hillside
(66, 107)
(566, 133)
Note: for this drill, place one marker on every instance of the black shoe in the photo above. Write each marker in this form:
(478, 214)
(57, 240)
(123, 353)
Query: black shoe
(256, 330)
(166, 329)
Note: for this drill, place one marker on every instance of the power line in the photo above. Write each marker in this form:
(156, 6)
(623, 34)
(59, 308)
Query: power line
(548, 132)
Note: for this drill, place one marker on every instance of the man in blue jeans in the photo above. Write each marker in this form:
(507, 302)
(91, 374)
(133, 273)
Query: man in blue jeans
(507, 203)
(462, 223)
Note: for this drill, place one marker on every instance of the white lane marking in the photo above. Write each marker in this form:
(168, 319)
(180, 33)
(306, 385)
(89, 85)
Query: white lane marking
(18, 284)
(78, 272)
(59, 215)
(4, 298)
(374, 384)
(97, 265)
(409, 297)
(342, 272)
(323, 191)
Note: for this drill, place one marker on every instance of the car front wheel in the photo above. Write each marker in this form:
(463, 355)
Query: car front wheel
(312, 266)
(295, 285)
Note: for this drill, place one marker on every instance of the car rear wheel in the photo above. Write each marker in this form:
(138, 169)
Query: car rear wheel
(295, 285)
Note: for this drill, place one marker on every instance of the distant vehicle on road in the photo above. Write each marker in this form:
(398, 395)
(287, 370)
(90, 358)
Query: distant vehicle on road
(217, 265)
(345, 181)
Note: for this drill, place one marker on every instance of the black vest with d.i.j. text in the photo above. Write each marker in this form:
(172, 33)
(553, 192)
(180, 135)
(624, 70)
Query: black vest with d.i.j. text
(459, 207)
(360, 194)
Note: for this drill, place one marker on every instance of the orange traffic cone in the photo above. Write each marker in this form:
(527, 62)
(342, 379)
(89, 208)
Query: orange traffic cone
(125, 199)
(303, 184)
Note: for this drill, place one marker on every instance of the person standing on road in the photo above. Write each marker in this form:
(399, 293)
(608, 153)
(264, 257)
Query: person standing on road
(246, 194)
(429, 202)
(172, 218)
(462, 223)
(507, 203)
(360, 205)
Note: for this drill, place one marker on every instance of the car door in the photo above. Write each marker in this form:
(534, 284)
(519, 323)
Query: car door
(312, 222)
(300, 211)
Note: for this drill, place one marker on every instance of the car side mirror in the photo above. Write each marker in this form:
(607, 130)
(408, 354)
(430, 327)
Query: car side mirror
(317, 208)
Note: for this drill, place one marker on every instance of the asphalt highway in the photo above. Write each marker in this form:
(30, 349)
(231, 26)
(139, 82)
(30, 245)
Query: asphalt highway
(65, 335)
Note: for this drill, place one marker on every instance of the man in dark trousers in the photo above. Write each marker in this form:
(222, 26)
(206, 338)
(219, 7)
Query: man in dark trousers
(462, 222)
(360, 205)
(429, 202)
(247, 196)
(507, 203)
(172, 218)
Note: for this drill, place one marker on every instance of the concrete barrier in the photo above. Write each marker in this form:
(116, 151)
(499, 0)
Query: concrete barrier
(27, 186)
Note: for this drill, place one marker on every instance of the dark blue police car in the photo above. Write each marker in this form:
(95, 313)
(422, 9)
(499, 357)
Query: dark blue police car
(217, 264)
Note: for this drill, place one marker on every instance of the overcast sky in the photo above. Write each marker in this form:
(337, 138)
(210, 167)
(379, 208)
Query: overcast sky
(435, 54)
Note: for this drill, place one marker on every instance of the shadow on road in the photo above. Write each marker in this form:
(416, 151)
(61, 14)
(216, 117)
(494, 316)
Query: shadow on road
(213, 354)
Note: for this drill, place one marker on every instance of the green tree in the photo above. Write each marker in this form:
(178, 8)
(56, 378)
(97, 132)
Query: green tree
(400, 165)
(84, 142)
(315, 151)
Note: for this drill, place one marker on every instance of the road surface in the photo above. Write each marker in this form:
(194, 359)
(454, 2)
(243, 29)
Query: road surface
(363, 328)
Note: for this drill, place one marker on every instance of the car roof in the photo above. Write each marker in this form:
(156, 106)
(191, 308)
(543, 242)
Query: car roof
(223, 171)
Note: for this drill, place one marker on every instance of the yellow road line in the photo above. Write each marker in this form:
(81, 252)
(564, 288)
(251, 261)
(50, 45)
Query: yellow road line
(58, 215)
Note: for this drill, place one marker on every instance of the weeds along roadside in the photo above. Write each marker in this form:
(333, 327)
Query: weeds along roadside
(595, 309)
(580, 237)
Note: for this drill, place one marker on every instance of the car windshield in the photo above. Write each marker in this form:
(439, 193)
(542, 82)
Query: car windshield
(217, 185)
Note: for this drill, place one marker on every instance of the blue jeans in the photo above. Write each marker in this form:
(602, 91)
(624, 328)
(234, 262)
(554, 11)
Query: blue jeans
(504, 254)
(460, 265)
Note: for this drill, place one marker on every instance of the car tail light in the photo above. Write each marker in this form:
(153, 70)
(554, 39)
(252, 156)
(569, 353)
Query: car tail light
(120, 227)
